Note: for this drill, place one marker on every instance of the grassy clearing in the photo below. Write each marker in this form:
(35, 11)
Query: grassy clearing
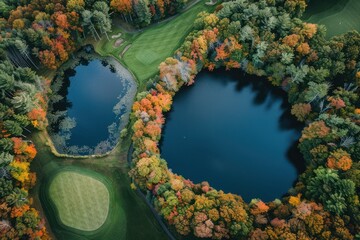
(82, 201)
(129, 217)
(339, 16)
(152, 45)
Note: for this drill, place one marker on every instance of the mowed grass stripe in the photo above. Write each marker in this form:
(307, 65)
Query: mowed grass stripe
(160, 42)
(82, 201)
(338, 16)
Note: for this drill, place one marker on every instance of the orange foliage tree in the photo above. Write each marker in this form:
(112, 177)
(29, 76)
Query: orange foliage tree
(340, 160)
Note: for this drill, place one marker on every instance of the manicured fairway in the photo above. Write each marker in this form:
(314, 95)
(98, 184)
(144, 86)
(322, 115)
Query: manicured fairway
(82, 201)
(154, 44)
(159, 42)
(339, 16)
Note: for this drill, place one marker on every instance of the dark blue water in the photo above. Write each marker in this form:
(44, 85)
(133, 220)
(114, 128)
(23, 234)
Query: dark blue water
(233, 131)
(93, 93)
(98, 97)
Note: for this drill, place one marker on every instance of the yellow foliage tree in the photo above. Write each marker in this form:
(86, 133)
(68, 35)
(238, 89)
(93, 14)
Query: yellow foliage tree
(20, 171)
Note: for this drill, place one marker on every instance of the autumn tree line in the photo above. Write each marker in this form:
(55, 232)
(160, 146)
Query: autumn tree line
(45, 32)
(35, 35)
(322, 80)
(23, 104)
(143, 12)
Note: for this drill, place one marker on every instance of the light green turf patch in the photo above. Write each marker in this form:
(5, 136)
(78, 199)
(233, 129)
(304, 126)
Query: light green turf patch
(339, 16)
(147, 56)
(82, 201)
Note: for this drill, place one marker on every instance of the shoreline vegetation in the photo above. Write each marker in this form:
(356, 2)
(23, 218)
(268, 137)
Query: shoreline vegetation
(53, 150)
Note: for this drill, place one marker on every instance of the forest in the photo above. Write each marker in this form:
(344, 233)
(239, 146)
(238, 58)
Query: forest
(265, 38)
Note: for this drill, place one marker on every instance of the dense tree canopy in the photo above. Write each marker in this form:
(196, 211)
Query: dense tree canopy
(142, 13)
(22, 109)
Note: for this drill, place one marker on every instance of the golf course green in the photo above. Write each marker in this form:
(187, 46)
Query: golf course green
(81, 200)
(119, 212)
(339, 16)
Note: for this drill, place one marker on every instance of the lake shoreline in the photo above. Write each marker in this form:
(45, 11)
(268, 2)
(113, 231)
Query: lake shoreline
(123, 105)
(239, 100)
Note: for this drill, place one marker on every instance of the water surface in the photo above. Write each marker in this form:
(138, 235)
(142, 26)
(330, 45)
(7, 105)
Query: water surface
(97, 98)
(235, 132)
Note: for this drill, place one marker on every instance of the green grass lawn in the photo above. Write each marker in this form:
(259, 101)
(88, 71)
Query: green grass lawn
(153, 45)
(339, 16)
(128, 218)
(82, 201)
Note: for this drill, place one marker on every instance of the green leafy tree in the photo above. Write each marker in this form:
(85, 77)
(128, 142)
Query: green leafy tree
(6, 144)
(102, 22)
(18, 197)
(327, 187)
(6, 187)
(142, 12)
(13, 127)
(22, 102)
(297, 73)
(316, 91)
(7, 84)
(5, 158)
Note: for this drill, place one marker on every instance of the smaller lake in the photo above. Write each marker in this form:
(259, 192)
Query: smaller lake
(236, 132)
(92, 105)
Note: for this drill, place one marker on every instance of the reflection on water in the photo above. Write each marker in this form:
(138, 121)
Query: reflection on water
(235, 132)
(90, 108)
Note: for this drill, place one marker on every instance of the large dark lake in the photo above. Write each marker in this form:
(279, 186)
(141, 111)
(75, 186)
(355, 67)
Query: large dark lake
(96, 98)
(236, 132)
